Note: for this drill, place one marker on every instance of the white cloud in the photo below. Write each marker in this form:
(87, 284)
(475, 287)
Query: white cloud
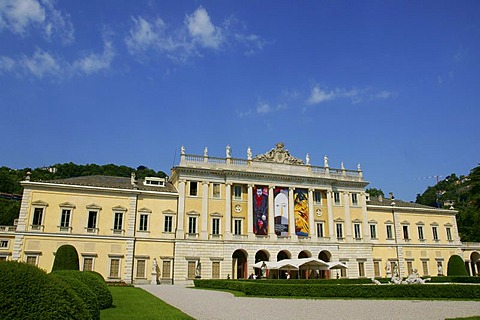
(318, 96)
(263, 108)
(19, 16)
(7, 64)
(41, 64)
(144, 34)
(93, 63)
(202, 29)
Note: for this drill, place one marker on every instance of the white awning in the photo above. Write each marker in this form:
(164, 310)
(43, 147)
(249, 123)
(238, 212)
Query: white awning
(303, 264)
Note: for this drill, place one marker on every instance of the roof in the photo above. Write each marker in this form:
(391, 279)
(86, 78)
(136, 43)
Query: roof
(398, 203)
(112, 182)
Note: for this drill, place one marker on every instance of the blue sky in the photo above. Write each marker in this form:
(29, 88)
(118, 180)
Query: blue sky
(392, 85)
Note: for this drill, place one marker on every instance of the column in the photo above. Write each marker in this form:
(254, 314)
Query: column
(228, 210)
(271, 213)
(204, 231)
(179, 234)
(348, 219)
(311, 221)
(291, 214)
(250, 233)
(366, 228)
(331, 229)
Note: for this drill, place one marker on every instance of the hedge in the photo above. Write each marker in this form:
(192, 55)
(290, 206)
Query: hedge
(263, 288)
(456, 266)
(66, 258)
(82, 291)
(96, 283)
(26, 292)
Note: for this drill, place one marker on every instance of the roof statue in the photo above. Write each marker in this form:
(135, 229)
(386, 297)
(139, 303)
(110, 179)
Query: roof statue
(279, 155)
(205, 152)
(228, 151)
(249, 153)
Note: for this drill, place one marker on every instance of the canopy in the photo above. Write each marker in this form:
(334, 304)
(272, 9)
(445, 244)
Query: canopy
(303, 264)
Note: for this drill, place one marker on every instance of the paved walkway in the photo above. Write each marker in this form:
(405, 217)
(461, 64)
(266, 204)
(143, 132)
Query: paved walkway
(209, 305)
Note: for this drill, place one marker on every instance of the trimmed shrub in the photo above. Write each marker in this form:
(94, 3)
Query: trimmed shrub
(66, 258)
(456, 266)
(82, 291)
(26, 292)
(96, 283)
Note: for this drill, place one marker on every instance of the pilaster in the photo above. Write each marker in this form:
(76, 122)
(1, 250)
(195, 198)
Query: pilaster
(181, 210)
(311, 221)
(250, 233)
(228, 210)
(204, 230)
(348, 219)
(271, 213)
(331, 233)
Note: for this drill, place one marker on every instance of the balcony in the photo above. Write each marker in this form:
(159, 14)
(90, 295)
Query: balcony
(9, 229)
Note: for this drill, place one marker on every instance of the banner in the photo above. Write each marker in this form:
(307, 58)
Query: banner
(300, 197)
(260, 210)
(281, 211)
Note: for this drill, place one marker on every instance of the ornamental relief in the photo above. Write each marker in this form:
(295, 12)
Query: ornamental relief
(279, 155)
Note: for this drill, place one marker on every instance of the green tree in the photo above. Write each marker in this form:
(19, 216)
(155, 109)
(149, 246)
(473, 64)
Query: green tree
(374, 192)
(66, 258)
(456, 266)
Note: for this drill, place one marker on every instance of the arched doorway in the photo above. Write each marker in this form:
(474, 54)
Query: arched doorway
(325, 255)
(239, 264)
(261, 255)
(306, 274)
(282, 255)
(475, 263)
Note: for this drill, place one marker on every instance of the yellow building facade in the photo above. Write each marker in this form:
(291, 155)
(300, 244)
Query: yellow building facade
(215, 217)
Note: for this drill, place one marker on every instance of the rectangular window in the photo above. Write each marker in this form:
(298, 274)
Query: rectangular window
(343, 272)
(361, 269)
(320, 230)
(192, 225)
(449, 233)
(37, 217)
(317, 197)
(354, 199)
(3, 243)
(409, 267)
(389, 231)
(114, 268)
(376, 269)
(216, 190)
(237, 192)
(166, 269)
(373, 231)
(92, 221)
(3, 258)
(32, 260)
(143, 226)
(65, 220)
(191, 269)
(420, 233)
(336, 198)
(168, 226)
(405, 233)
(237, 227)
(435, 233)
(216, 226)
(140, 268)
(339, 231)
(193, 188)
(118, 221)
(425, 268)
(216, 270)
(87, 264)
(356, 231)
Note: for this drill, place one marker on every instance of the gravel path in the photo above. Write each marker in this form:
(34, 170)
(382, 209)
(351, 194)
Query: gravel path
(209, 305)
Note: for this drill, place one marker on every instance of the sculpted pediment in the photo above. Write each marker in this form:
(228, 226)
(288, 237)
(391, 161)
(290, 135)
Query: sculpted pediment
(279, 155)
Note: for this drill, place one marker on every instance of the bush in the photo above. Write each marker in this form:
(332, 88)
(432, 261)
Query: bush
(456, 266)
(82, 291)
(66, 258)
(264, 288)
(26, 292)
(96, 283)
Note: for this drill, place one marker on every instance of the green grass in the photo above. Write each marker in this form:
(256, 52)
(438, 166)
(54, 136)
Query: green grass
(135, 303)
(467, 318)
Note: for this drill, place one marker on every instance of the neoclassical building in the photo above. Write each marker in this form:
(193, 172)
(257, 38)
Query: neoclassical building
(215, 217)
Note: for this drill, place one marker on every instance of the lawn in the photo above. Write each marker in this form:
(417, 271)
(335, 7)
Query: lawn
(135, 303)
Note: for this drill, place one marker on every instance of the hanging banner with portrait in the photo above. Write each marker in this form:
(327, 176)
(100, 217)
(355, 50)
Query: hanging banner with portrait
(260, 210)
(281, 211)
(300, 197)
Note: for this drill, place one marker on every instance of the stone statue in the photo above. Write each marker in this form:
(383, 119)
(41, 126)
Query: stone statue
(388, 269)
(395, 270)
(342, 166)
(376, 282)
(249, 153)
(198, 270)
(307, 160)
(325, 161)
(263, 270)
(205, 152)
(155, 265)
(227, 151)
(358, 167)
(440, 269)
(182, 150)
(133, 179)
